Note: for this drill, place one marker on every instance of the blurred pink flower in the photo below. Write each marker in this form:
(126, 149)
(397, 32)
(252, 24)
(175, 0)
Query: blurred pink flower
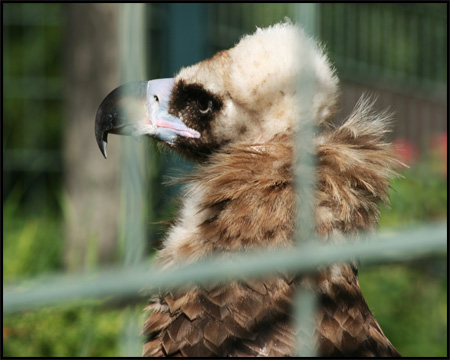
(406, 151)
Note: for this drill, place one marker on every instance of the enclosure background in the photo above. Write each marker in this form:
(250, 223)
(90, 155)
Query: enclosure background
(60, 60)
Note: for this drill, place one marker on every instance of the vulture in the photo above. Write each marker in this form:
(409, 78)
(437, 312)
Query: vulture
(237, 115)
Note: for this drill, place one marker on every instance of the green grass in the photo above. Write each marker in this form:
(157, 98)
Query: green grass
(30, 245)
(67, 331)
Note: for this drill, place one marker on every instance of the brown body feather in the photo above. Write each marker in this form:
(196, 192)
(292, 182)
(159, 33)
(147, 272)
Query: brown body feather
(243, 198)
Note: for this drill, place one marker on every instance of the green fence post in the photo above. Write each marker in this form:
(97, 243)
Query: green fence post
(305, 174)
(133, 201)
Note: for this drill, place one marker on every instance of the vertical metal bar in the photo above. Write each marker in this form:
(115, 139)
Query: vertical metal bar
(305, 161)
(132, 67)
(304, 181)
(132, 60)
(307, 15)
(305, 309)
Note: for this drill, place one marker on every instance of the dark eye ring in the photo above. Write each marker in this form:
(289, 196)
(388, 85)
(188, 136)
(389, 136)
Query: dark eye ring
(204, 105)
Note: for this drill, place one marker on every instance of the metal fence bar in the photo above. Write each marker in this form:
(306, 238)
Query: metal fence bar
(132, 59)
(307, 14)
(401, 246)
(305, 178)
(305, 310)
(131, 34)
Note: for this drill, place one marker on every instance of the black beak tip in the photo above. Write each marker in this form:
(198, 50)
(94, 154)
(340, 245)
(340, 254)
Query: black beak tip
(103, 148)
(101, 134)
(102, 141)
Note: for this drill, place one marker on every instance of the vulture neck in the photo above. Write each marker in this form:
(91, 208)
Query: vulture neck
(243, 197)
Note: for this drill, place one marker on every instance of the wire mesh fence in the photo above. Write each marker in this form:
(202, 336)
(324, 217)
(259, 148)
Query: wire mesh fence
(136, 278)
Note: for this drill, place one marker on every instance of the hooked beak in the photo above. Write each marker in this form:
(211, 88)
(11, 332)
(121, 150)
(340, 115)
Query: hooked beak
(140, 108)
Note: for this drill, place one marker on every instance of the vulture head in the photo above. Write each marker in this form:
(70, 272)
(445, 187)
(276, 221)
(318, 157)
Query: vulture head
(236, 114)
(262, 88)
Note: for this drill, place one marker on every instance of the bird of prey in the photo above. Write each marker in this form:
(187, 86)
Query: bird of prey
(236, 115)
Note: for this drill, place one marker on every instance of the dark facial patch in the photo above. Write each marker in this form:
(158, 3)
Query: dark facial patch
(197, 107)
(194, 104)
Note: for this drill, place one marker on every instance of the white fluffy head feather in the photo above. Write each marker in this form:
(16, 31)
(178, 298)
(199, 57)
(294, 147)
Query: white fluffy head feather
(269, 82)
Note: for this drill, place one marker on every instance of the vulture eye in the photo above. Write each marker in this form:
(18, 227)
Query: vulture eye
(204, 104)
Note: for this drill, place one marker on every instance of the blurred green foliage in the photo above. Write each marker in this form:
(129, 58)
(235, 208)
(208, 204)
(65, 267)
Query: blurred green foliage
(32, 115)
(86, 329)
(410, 300)
(410, 304)
(33, 245)
(418, 197)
